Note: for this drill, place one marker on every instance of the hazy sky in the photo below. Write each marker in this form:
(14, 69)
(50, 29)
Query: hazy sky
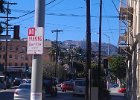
(69, 16)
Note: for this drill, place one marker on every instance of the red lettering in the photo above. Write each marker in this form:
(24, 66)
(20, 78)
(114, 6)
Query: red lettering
(35, 38)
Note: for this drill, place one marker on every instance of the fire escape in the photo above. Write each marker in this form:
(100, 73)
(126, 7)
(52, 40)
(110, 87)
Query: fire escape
(125, 28)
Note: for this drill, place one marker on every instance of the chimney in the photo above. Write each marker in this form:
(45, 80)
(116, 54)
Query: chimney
(16, 32)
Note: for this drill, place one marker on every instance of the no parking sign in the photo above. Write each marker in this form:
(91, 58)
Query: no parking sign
(35, 40)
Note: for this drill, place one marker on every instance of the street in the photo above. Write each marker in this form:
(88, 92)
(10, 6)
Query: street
(8, 95)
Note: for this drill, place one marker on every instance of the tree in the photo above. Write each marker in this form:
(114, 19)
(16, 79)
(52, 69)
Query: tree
(117, 67)
(2, 8)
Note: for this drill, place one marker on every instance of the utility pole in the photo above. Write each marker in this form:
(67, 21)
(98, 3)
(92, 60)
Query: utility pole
(37, 68)
(88, 49)
(108, 44)
(6, 43)
(56, 56)
(99, 60)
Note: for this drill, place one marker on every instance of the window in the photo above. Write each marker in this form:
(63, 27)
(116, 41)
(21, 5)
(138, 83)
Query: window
(3, 56)
(16, 56)
(23, 49)
(0, 48)
(26, 64)
(10, 56)
(10, 64)
(16, 64)
(16, 48)
(22, 64)
(22, 57)
(26, 58)
(3, 48)
(10, 48)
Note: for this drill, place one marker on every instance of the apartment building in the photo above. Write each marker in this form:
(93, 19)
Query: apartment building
(17, 57)
(129, 43)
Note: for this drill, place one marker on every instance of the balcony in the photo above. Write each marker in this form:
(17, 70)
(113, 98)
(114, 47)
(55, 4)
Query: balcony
(126, 13)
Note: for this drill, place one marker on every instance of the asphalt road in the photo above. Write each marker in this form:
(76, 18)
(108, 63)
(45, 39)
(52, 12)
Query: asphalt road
(8, 95)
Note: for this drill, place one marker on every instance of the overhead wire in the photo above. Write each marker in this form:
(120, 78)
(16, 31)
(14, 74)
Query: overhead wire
(107, 20)
(33, 10)
(118, 11)
(56, 4)
(60, 14)
(20, 11)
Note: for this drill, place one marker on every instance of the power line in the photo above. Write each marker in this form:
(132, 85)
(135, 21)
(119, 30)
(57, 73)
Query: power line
(115, 7)
(21, 11)
(56, 4)
(34, 10)
(107, 20)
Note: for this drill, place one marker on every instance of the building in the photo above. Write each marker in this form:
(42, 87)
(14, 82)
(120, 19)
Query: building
(129, 44)
(17, 59)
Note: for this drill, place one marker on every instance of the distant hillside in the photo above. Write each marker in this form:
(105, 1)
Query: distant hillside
(113, 49)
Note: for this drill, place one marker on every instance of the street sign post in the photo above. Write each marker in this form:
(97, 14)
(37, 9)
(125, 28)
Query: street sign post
(35, 40)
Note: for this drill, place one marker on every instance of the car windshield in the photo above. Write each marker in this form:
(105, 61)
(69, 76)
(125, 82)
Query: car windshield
(25, 86)
(80, 83)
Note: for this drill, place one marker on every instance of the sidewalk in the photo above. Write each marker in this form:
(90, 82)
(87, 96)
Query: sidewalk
(118, 97)
(115, 95)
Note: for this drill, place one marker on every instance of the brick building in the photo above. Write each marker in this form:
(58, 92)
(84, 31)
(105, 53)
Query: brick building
(17, 58)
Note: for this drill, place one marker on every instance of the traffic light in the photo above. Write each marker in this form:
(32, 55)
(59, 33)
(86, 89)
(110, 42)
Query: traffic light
(105, 63)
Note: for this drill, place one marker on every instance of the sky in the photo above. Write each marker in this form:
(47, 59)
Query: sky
(69, 16)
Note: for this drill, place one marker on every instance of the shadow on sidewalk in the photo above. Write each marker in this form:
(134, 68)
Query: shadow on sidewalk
(118, 97)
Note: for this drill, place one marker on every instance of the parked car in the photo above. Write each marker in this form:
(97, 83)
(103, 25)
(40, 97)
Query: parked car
(79, 87)
(2, 85)
(22, 92)
(50, 86)
(67, 86)
(17, 81)
(2, 82)
(26, 81)
(115, 85)
(122, 90)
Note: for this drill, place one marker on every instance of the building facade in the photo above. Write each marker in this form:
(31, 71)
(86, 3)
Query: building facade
(129, 43)
(17, 59)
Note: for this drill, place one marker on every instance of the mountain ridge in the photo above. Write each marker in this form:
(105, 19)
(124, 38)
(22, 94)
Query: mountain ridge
(106, 47)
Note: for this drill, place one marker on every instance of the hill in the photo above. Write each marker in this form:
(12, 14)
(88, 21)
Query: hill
(106, 48)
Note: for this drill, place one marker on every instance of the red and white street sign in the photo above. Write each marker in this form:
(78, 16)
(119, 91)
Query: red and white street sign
(35, 40)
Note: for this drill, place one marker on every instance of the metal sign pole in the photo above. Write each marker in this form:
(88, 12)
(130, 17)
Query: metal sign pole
(37, 70)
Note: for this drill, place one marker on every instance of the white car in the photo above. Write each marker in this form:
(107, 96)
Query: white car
(26, 81)
(79, 87)
(23, 92)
